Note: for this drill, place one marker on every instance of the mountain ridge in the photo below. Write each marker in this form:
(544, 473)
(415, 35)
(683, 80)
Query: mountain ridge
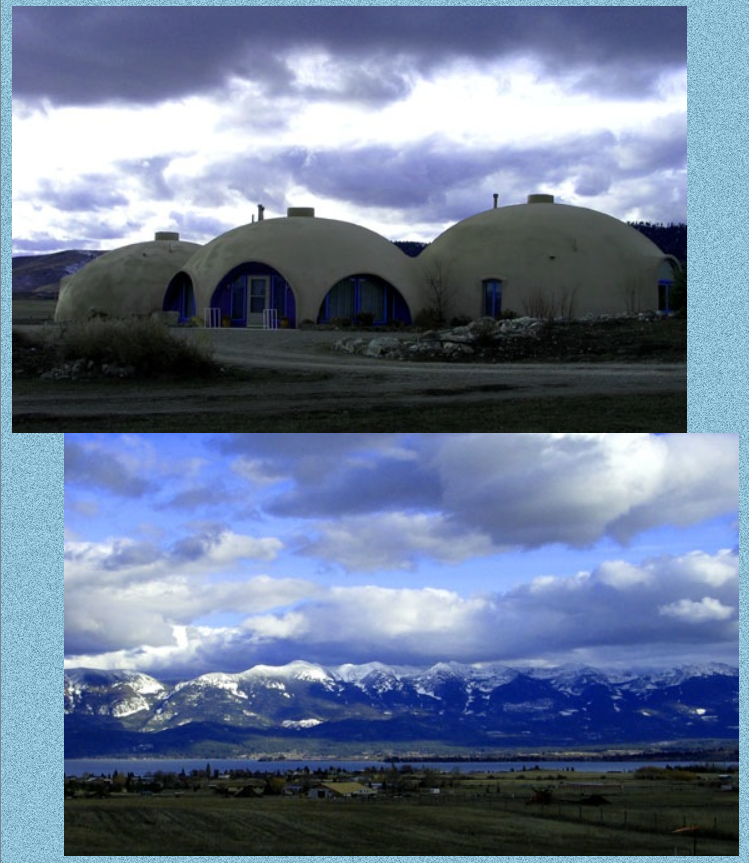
(480, 705)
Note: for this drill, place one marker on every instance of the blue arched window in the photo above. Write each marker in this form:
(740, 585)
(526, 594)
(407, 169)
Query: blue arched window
(180, 297)
(367, 296)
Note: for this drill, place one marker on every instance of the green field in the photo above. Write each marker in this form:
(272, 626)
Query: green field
(480, 815)
(29, 310)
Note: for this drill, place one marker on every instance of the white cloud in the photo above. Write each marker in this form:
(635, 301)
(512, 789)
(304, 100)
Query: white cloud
(632, 612)
(623, 575)
(708, 608)
(268, 627)
(535, 489)
(128, 560)
(383, 505)
(395, 540)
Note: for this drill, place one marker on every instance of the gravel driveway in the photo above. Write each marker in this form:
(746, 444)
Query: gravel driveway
(393, 380)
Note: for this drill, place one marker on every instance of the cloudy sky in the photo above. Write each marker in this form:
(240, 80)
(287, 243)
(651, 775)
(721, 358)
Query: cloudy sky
(128, 120)
(193, 553)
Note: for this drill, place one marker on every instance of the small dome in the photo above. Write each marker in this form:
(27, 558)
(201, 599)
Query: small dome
(127, 281)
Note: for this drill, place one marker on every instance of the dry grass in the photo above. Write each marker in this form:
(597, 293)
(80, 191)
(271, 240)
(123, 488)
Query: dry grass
(460, 826)
(664, 412)
(146, 345)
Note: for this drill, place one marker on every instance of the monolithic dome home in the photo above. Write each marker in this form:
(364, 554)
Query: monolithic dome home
(302, 268)
(127, 281)
(540, 258)
(543, 258)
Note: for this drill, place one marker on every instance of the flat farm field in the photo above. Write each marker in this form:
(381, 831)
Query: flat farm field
(482, 816)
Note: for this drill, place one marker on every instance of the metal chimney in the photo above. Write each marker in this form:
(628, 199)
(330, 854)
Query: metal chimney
(260, 212)
(496, 200)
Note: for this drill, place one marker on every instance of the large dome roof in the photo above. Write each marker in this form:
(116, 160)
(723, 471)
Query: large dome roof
(127, 281)
(546, 247)
(545, 228)
(311, 254)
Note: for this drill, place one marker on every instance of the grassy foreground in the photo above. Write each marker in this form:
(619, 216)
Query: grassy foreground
(279, 826)
(480, 817)
(627, 413)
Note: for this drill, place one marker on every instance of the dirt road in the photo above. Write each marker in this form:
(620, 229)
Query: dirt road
(363, 378)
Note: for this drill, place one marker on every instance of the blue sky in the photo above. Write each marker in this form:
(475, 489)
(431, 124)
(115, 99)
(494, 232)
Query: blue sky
(129, 120)
(194, 553)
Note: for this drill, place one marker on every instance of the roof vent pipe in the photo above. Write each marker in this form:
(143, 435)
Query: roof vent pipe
(540, 199)
(496, 200)
(260, 212)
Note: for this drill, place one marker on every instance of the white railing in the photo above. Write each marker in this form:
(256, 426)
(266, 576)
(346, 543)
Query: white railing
(212, 317)
(270, 319)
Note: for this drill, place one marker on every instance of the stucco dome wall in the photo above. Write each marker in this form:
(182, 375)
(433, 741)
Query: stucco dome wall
(126, 281)
(312, 254)
(554, 250)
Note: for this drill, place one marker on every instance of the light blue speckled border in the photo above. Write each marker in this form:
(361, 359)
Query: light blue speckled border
(32, 465)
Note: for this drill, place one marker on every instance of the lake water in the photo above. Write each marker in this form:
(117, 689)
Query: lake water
(98, 766)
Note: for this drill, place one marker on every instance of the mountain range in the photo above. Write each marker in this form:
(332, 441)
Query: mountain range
(306, 707)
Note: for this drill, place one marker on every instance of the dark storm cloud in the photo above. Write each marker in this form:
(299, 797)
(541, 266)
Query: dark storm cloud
(86, 194)
(190, 225)
(524, 491)
(439, 176)
(279, 457)
(46, 242)
(199, 497)
(73, 55)
(662, 146)
(362, 491)
(253, 177)
(283, 450)
(424, 177)
(390, 176)
(80, 232)
(130, 555)
(198, 546)
(149, 173)
(100, 469)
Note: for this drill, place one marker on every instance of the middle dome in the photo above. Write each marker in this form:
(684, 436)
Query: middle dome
(302, 267)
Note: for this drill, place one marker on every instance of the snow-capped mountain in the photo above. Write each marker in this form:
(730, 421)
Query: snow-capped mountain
(111, 693)
(486, 705)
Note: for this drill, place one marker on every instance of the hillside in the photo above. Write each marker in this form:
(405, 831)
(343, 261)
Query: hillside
(39, 276)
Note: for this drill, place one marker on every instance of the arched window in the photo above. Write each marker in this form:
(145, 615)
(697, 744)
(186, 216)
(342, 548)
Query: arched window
(366, 298)
(180, 297)
(492, 298)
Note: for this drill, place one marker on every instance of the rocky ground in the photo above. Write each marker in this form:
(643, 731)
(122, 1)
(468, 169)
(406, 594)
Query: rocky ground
(629, 339)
